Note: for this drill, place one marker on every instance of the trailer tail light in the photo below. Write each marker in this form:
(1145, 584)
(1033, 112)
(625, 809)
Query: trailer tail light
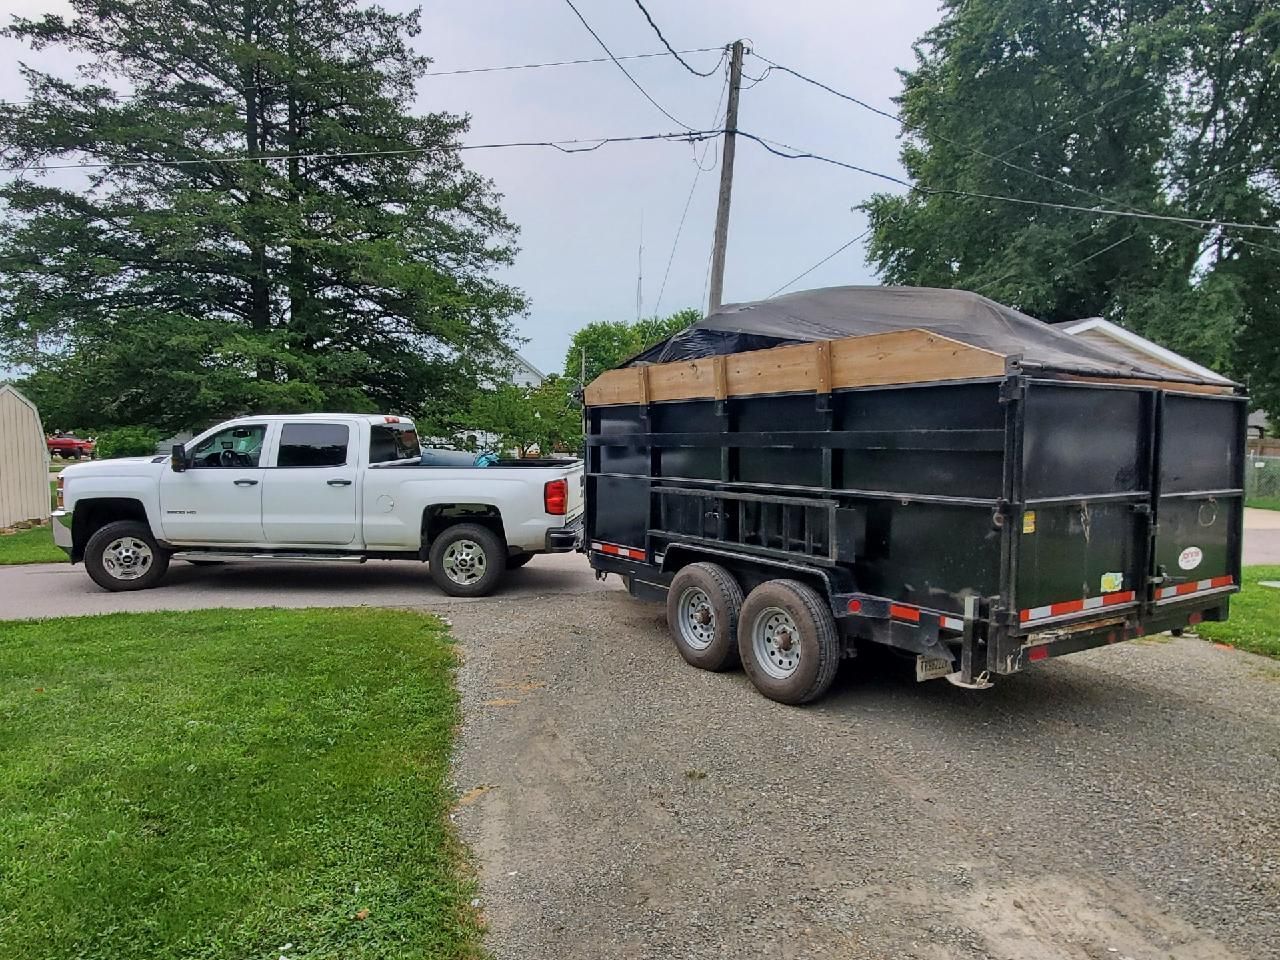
(855, 606)
(555, 497)
(62, 485)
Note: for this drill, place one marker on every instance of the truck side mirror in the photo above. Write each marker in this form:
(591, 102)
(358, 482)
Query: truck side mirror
(179, 461)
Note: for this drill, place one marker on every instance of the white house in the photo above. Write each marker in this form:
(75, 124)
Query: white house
(1116, 339)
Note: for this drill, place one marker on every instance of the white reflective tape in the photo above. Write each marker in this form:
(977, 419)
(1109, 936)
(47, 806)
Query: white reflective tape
(953, 623)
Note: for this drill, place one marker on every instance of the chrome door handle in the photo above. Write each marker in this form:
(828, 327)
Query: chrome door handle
(339, 483)
(246, 483)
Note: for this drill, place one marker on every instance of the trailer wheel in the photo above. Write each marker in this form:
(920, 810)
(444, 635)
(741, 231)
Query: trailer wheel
(703, 605)
(788, 640)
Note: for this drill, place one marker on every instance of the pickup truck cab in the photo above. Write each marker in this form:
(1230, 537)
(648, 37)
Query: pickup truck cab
(331, 487)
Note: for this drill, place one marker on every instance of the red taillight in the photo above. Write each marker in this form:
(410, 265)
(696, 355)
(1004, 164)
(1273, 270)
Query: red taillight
(855, 606)
(555, 497)
(61, 491)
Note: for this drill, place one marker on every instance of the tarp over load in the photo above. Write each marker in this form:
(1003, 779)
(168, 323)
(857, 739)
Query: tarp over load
(835, 313)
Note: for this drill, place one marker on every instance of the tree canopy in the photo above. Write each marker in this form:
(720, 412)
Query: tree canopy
(262, 222)
(609, 343)
(1165, 106)
(547, 416)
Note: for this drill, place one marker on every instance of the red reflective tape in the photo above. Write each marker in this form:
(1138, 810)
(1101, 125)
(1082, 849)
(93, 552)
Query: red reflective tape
(1185, 588)
(1038, 653)
(1110, 599)
(1221, 582)
(1024, 615)
(1065, 607)
(900, 611)
(636, 554)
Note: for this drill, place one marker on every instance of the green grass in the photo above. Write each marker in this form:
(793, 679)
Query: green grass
(1263, 503)
(222, 783)
(30, 546)
(1255, 616)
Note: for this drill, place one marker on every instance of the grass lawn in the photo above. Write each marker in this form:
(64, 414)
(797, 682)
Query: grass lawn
(223, 783)
(30, 546)
(1263, 503)
(1255, 616)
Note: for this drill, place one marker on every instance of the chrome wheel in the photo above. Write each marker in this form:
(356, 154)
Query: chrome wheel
(127, 558)
(465, 562)
(696, 619)
(776, 642)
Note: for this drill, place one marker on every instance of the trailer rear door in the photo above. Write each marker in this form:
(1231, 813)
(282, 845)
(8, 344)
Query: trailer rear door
(1199, 503)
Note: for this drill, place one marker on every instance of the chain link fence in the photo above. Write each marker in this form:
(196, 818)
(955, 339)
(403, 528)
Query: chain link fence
(1262, 478)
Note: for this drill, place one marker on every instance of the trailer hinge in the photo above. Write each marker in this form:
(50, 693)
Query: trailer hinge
(1013, 388)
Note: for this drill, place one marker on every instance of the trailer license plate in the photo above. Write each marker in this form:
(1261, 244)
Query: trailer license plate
(933, 668)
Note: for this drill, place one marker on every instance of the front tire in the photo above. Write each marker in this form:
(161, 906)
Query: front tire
(518, 560)
(703, 605)
(468, 560)
(125, 556)
(788, 641)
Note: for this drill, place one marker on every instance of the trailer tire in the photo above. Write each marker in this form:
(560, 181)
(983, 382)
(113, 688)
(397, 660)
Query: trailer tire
(788, 641)
(703, 605)
(468, 560)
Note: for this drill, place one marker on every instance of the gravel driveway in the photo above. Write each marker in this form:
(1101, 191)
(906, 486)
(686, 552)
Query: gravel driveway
(1119, 803)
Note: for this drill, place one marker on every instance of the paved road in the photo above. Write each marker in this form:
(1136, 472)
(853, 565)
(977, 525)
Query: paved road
(56, 590)
(1262, 536)
(1120, 803)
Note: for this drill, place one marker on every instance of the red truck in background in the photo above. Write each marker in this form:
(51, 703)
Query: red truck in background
(69, 446)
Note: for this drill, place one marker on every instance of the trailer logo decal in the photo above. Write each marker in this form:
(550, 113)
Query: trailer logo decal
(1111, 582)
(1190, 558)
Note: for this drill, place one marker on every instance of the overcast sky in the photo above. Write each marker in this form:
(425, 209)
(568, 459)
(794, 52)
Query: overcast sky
(580, 216)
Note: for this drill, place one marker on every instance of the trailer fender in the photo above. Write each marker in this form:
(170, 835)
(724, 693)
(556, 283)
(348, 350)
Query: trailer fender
(831, 582)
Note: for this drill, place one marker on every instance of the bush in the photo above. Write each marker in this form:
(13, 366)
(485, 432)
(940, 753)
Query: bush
(128, 442)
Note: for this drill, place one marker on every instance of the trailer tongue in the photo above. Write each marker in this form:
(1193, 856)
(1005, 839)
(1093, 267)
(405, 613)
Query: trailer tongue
(983, 500)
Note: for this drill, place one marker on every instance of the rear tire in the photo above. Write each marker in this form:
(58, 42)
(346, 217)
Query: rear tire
(125, 556)
(518, 560)
(703, 605)
(468, 560)
(788, 641)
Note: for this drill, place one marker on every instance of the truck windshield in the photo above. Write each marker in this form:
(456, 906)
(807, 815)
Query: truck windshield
(392, 441)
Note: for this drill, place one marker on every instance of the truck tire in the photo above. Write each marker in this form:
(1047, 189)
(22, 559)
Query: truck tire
(788, 641)
(703, 605)
(518, 560)
(125, 556)
(468, 560)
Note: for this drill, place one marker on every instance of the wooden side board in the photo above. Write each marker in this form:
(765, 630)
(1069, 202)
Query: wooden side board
(902, 356)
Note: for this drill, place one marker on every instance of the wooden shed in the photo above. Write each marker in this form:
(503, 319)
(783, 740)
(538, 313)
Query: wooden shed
(24, 460)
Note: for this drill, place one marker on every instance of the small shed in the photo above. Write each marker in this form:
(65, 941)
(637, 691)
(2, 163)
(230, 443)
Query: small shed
(24, 460)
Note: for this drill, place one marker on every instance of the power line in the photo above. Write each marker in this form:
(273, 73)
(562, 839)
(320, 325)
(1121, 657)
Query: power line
(635, 83)
(831, 256)
(564, 146)
(120, 97)
(568, 63)
(665, 43)
(799, 154)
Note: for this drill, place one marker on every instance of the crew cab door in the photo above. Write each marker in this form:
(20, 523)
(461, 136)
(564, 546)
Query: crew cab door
(309, 489)
(218, 498)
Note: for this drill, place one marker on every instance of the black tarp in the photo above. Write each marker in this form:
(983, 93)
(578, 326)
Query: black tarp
(831, 313)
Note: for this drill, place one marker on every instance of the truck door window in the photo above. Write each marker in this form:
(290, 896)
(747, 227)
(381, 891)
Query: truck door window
(234, 447)
(393, 442)
(313, 445)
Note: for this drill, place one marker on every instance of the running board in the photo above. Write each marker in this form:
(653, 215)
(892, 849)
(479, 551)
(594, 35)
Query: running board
(218, 555)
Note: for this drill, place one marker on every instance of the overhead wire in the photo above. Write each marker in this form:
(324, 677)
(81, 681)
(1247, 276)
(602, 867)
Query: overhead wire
(564, 146)
(831, 256)
(634, 82)
(684, 63)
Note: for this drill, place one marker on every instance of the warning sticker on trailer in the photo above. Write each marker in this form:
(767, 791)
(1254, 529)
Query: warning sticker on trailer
(1029, 522)
(1190, 558)
(1112, 582)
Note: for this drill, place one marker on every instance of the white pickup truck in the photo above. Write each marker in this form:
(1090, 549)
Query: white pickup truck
(346, 487)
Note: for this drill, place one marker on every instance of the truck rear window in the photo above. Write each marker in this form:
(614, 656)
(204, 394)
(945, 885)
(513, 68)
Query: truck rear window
(390, 442)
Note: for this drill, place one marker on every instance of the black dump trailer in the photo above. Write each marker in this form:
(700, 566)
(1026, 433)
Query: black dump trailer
(922, 469)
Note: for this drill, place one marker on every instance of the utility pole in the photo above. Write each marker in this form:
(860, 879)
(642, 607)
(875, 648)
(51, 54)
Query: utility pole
(726, 179)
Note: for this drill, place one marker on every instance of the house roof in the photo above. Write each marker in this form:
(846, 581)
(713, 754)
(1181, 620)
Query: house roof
(1100, 331)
